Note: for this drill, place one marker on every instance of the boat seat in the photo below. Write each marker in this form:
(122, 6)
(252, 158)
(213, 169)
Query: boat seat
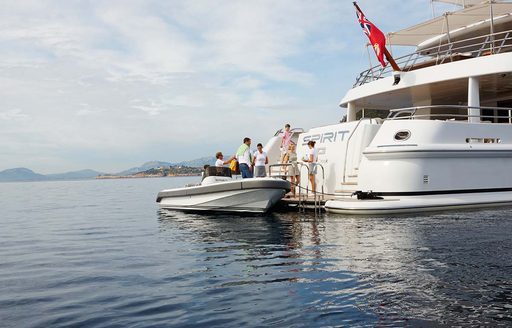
(214, 171)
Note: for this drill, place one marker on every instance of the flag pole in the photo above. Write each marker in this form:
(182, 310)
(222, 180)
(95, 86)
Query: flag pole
(391, 61)
(390, 58)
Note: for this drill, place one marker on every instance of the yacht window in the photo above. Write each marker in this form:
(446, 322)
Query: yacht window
(474, 140)
(483, 140)
(402, 135)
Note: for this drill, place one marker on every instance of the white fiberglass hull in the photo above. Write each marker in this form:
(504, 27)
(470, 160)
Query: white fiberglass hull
(250, 195)
(414, 204)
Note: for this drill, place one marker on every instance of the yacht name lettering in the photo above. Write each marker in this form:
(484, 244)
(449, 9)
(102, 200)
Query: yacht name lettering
(326, 137)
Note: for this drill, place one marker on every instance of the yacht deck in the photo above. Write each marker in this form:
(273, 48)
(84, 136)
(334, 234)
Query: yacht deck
(484, 45)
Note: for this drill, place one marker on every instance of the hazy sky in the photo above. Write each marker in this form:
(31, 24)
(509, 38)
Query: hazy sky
(111, 84)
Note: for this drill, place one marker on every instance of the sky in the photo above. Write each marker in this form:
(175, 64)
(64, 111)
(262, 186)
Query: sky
(109, 85)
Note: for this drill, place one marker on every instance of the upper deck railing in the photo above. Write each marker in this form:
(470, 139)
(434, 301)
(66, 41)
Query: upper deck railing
(450, 112)
(446, 52)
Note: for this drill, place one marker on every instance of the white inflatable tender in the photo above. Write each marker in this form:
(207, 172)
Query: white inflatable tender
(219, 191)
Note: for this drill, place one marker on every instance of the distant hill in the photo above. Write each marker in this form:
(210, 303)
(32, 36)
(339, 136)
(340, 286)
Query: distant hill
(24, 174)
(174, 171)
(144, 167)
(20, 174)
(200, 162)
(82, 174)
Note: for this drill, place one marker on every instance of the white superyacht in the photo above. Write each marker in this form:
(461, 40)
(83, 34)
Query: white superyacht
(445, 139)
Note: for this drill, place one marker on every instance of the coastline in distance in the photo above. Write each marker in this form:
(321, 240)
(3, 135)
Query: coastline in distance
(148, 169)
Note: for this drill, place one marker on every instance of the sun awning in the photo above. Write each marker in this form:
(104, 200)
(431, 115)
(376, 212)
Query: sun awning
(463, 3)
(417, 34)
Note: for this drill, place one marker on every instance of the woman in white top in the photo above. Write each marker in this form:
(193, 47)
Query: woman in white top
(312, 158)
(259, 161)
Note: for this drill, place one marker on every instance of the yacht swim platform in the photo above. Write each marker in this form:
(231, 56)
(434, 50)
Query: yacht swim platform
(302, 203)
(353, 206)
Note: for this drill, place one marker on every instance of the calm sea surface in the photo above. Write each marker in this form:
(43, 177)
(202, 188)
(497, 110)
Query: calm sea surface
(101, 254)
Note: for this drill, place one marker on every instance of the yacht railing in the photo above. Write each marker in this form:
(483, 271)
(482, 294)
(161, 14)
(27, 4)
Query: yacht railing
(493, 43)
(322, 193)
(282, 172)
(397, 114)
(294, 130)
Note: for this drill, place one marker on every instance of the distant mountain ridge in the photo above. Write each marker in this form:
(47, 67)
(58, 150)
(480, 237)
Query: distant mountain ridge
(81, 174)
(20, 174)
(144, 167)
(24, 174)
(199, 162)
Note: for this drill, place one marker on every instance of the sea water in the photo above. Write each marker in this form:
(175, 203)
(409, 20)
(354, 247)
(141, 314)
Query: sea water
(100, 253)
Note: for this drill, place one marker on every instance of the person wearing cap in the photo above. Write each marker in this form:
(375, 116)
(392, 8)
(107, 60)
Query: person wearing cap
(311, 159)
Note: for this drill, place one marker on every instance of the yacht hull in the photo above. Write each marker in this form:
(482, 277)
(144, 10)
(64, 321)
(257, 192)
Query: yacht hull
(415, 204)
(249, 196)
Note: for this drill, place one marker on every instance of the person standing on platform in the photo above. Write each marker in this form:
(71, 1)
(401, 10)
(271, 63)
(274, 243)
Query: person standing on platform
(311, 159)
(259, 161)
(293, 169)
(285, 142)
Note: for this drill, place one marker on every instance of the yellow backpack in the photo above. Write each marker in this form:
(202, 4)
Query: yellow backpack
(235, 168)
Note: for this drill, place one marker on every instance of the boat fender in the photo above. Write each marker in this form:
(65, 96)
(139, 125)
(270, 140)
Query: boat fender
(365, 195)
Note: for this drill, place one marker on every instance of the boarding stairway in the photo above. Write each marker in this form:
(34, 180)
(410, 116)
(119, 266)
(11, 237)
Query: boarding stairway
(360, 137)
(305, 198)
(342, 184)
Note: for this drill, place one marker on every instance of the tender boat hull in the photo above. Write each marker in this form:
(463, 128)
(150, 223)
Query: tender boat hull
(249, 195)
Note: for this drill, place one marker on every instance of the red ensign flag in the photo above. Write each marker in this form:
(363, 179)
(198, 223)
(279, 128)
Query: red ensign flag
(377, 38)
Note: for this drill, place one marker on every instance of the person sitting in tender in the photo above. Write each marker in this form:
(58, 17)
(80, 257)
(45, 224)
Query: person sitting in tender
(220, 159)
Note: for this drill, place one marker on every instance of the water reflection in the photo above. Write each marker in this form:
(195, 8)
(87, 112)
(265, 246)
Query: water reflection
(99, 255)
(436, 269)
(291, 230)
(278, 260)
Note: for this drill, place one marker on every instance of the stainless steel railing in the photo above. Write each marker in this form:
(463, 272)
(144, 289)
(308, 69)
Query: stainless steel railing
(283, 173)
(293, 131)
(317, 196)
(396, 114)
(483, 45)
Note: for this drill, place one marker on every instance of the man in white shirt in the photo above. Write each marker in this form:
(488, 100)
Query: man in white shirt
(259, 161)
(220, 160)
